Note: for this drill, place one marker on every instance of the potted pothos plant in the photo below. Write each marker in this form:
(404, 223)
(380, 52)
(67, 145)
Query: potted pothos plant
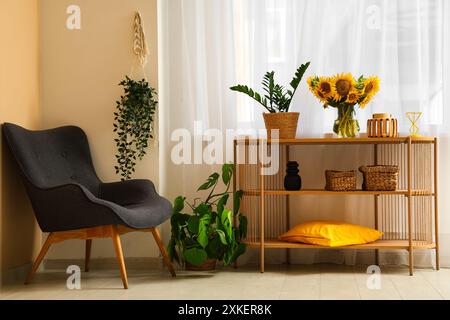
(277, 100)
(207, 233)
(133, 124)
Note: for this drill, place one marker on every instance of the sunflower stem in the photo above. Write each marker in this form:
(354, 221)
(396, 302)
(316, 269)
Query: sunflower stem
(346, 125)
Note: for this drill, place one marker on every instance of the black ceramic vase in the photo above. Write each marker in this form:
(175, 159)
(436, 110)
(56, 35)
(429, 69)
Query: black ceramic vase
(292, 181)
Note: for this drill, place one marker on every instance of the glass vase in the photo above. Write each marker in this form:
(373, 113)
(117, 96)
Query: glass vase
(346, 126)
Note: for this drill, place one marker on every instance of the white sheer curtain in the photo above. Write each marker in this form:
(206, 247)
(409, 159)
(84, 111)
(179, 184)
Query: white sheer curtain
(206, 46)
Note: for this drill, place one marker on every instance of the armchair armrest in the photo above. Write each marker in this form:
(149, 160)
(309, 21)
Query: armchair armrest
(127, 192)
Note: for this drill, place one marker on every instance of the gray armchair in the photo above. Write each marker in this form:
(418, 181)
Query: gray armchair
(70, 201)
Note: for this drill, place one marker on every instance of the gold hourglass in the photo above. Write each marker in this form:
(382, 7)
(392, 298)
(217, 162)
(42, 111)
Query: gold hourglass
(414, 118)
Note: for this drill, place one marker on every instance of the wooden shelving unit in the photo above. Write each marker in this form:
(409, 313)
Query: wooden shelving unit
(410, 221)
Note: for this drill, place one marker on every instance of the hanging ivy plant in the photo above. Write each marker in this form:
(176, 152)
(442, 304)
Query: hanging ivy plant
(133, 123)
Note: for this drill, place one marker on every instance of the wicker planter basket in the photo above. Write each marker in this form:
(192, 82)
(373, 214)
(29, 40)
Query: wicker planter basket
(340, 180)
(380, 178)
(285, 122)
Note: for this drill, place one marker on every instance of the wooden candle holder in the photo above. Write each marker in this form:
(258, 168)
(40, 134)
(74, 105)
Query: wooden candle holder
(382, 126)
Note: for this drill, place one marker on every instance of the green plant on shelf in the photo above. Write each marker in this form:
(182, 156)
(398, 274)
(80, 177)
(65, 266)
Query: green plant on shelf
(276, 98)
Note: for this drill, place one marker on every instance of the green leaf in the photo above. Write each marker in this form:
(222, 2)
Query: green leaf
(195, 256)
(214, 249)
(231, 255)
(295, 83)
(280, 98)
(222, 237)
(203, 209)
(193, 224)
(178, 220)
(256, 96)
(227, 173)
(243, 224)
(190, 243)
(227, 224)
(178, 204)
(221, 203)
(268, 86)
(237, 201)
(238, 251)
(299, 75)
(203, 238)
(212, 180)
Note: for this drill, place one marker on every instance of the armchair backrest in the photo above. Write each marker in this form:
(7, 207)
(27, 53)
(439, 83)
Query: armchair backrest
(53, 157)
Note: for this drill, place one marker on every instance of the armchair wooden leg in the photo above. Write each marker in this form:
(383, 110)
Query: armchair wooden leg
(87, 257)
(118, 248)
(164, 254)
(40, 257)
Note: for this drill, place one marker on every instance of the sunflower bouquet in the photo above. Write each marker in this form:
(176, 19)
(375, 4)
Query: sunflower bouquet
(343, 92)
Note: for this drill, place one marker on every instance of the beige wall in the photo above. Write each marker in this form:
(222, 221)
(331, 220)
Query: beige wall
(80, 73)
(19, 103)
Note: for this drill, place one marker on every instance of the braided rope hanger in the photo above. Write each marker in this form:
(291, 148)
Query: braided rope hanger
(140, 47)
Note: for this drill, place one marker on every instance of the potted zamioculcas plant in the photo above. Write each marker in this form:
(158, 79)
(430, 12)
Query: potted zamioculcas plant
(277, 101)
(207, 233)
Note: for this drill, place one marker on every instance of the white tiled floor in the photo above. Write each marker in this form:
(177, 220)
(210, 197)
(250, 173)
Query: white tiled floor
(279, 282)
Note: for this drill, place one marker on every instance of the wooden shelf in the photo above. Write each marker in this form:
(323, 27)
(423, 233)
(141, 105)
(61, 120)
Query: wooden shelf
(362, 139)
(256, 192)
(416, 155)
(380, 244)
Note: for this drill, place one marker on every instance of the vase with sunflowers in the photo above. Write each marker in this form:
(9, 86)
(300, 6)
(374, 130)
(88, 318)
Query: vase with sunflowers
(344, 92)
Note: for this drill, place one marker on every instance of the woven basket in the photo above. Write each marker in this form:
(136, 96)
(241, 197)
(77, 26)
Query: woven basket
(380, 178)
(340, 180)
(285, 122)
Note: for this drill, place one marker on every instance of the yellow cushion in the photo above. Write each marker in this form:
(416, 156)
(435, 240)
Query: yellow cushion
(331, 234)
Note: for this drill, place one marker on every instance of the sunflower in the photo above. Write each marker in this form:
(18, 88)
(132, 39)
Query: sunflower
(320, 95)
(343, 83)
(343, 88)
(371, 86)
(353, 96)
(365, 101)
(313, 83)
(326, 87)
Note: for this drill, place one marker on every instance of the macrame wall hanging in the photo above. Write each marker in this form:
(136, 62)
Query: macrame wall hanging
(140, 47)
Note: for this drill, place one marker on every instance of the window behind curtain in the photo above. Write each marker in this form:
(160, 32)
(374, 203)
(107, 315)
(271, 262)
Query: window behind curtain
(401, 41)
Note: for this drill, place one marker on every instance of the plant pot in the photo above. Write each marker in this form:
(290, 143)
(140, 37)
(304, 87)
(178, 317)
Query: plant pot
(285, 122)
(208, 265)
